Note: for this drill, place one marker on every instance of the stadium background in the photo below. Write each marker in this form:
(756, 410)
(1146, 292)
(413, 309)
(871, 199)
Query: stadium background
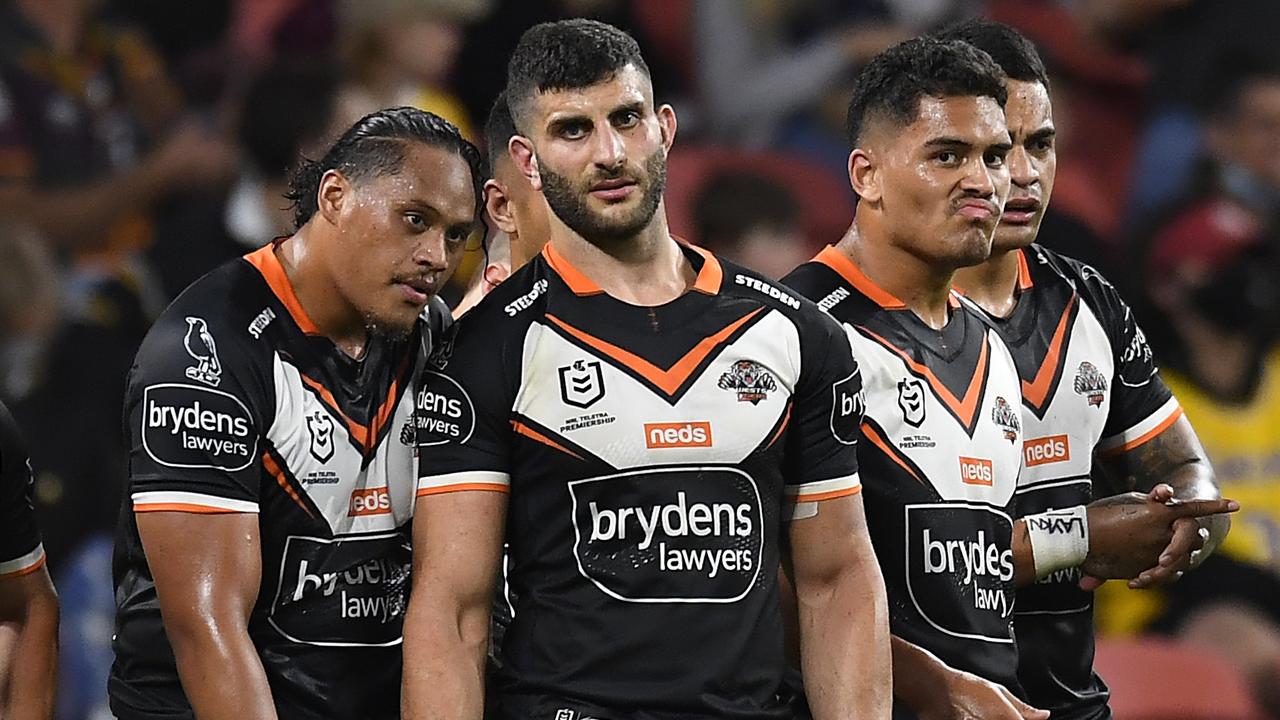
(142, 142)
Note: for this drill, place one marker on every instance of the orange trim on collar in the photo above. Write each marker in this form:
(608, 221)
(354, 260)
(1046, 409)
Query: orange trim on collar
(844, 267)
(710, 275)
(1024, 272)
(265, 260)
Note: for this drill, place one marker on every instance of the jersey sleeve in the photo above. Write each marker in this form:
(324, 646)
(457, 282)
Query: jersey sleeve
(462, 411)
(20, 549)
(194, 413)
(826, 415)
(1142, 406)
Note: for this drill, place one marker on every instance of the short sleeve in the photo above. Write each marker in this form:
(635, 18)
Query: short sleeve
(20, 549)
(194, 413)
(463, 412)
(1142, 406)
(826, 416)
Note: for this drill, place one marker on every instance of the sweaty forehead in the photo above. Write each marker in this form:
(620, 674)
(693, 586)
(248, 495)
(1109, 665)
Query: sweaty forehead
(977, 120)
(1028, 108)
(431, 176)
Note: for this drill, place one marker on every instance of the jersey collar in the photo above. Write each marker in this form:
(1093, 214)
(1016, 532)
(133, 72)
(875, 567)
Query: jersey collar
(710, 274)
(266, 262)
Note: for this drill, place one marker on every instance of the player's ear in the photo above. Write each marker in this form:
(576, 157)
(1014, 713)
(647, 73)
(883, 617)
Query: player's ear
(667, 125)
(864, 175)
(498, 205)
(522, 154)
(333, 191)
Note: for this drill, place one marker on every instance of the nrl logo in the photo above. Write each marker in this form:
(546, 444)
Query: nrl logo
(320, 427)
(750, 380)
(1091, 384)
(1004, 415)
(581, 383)
(911, 401)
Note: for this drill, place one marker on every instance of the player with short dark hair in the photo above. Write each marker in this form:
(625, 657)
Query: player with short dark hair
(263, 557)
(1090, 390)
(942, 432)
(668, 428)
(517, 213)
(27, 597)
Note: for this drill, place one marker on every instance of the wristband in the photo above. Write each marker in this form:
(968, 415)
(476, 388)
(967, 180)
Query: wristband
(1059, 539)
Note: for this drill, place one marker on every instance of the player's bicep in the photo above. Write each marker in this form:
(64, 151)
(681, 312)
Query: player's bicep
(828, 544)
(457, 546)
(207, 569)
(21, 593)
(1143, 465)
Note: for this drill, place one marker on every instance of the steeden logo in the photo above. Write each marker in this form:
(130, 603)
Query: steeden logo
(370, 501)
(977, 471)
(1045, 450)
(677, 434)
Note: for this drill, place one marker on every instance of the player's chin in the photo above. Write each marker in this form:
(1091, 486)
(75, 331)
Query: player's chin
(971, 247)
(1011, 236)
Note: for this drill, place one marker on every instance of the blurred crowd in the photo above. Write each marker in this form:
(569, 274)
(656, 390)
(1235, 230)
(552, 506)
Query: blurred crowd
(143, 142)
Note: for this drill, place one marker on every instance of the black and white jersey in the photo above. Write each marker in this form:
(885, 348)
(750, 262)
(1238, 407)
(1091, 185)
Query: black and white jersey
(940, 454)
(651, 454)
(21, 552)
(1089, 383)
(236, 404)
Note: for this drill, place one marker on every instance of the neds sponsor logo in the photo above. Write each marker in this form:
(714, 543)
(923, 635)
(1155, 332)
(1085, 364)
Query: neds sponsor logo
(669, 535)
(442, 410)
(677, 434)
(959, 560)
(977, 471)
(369, 501)
(1045, 450)
(196, 427)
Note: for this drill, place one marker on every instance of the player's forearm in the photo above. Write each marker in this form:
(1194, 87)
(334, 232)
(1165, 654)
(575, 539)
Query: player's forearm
(444, 660)
(35, 665)
(221, 672)
(919, 677)
(1024, 564)
(844, 640)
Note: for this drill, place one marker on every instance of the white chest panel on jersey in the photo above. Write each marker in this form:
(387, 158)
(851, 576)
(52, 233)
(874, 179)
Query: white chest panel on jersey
(982, 468)
(729, 410)
(1060, 445)
(317, 447)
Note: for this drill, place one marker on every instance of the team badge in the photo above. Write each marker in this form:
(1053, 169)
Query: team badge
(1091, 384)
(582, 383)
(1004, 415)
(911, 401)
(320, 428)
(749, 380)
(200, 346)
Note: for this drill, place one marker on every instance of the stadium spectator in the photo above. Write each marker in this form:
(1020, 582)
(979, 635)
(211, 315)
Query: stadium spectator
(751, 220)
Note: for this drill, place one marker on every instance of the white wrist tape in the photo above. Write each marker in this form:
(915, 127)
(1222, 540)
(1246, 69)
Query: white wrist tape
(1059, 539)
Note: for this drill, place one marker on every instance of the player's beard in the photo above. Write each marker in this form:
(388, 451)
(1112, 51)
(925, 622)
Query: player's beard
(569, 202)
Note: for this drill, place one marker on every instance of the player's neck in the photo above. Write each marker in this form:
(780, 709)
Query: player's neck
(923, 288)
(336, 318)
(992, 284)
(647, 269)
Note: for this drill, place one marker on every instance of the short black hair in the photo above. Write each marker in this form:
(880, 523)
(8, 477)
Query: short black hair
(893, 83)
(567, 55)
(1012, 51)
(498, 129)
(375, 145)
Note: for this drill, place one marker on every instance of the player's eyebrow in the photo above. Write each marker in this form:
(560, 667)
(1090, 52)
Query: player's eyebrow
(636, 107)
(948, 143)
(1044, 133)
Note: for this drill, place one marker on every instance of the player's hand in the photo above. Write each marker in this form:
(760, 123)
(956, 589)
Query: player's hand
(970, 697)
(1147, 538)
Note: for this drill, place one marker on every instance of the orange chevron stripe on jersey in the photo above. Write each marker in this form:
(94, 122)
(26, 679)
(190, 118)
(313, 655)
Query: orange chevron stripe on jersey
(710, 275)
(844, 267)
(265, 260)
(966, 408)
(273, 468)
(1036, 392)
(669, 380)
(365, 436)
(874, 437)
(522, 429)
